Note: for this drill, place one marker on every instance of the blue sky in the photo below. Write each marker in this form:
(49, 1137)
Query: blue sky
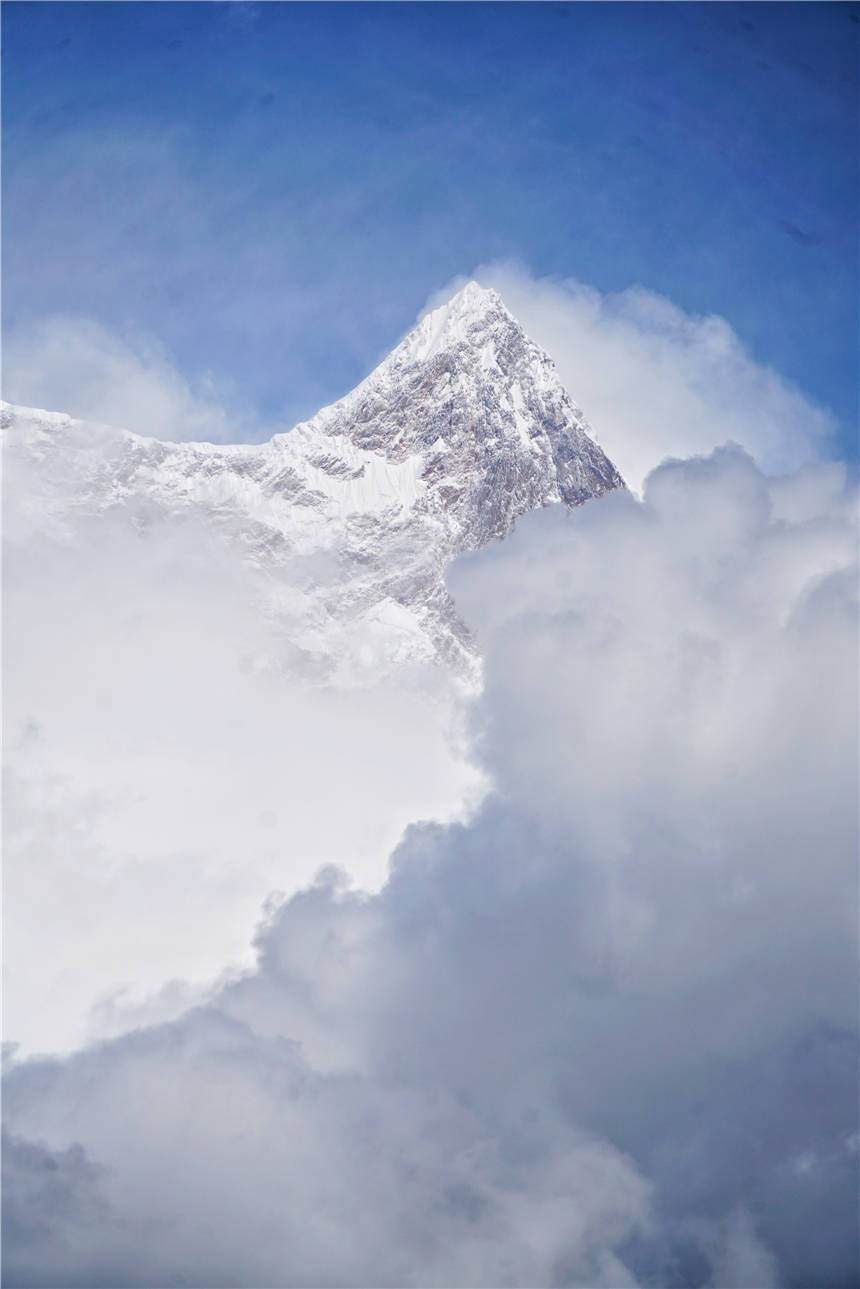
(273, 190)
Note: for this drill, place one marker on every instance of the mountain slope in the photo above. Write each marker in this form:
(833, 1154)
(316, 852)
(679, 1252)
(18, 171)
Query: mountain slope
(354, 514)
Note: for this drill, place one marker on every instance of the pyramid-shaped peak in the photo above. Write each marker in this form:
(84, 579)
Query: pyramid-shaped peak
(474, 308)
(476, 298)
(471, 303)
(468, 378)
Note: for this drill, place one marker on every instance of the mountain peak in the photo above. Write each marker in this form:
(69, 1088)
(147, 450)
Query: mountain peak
(355, 513)
(474, 299)
(476, 410)
(468, 311)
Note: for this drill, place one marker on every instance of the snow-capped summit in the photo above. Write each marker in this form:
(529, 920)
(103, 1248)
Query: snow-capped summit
(482, 407)
(451, 321)
(461, 429)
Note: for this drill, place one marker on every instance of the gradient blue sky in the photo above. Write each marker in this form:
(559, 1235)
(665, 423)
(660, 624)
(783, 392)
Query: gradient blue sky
(273, 190)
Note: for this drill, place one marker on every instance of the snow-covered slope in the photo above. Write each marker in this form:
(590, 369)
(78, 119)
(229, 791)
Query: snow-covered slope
(354, 514)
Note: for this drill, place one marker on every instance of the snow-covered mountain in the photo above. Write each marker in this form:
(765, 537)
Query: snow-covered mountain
(230, 666)
(353, 515)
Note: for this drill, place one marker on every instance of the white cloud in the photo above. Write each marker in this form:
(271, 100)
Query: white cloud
(168, 767)
(581, 1039)
(740, 1257)
(656, 382)
(78, 366)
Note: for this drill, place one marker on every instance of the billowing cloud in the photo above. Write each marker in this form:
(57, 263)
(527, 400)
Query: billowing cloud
(655, 381)
(130, 788)
(77, 365)
(169, 766)
(601, 1033)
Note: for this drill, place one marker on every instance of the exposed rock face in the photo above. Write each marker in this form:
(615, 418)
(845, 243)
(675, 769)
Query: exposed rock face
(356, 513)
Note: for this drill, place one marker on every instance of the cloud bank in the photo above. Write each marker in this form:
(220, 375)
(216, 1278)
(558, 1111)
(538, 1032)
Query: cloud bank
(205, 779)
(603, 1032)
(169, 766)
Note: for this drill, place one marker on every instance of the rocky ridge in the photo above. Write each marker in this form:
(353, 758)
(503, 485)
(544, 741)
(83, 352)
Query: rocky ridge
(355, 514)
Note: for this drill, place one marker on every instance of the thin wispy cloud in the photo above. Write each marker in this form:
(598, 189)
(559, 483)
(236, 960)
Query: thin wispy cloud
(78, 366)
(270, 191)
